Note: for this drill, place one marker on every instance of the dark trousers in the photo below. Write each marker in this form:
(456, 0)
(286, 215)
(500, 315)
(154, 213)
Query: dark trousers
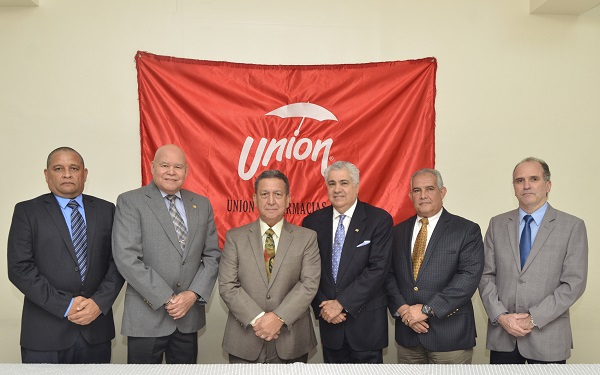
(177, 348)
(515, 358)
(80, 352)
(348, 355)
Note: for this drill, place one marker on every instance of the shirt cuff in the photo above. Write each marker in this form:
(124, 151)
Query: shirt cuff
(69, 308)
(253, 322)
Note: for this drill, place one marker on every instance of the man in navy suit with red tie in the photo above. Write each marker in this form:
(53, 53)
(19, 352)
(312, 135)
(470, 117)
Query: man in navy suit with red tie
(59, 256)
(355, 242)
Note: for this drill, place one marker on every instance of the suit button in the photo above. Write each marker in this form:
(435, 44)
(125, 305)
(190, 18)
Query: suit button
(179, 285)
(416, 288)
(268, 296)
(521, 282)
(76, 269)
(183, 263)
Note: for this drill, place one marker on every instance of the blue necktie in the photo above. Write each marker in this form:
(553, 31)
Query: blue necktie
(525, 243)
(338, 243)
(79, 237)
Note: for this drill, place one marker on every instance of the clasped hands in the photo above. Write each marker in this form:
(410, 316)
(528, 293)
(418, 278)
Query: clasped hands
(331, 311)
(83, 311)
(268, 326)
(414, 318)
(517, 325)
(179, 304)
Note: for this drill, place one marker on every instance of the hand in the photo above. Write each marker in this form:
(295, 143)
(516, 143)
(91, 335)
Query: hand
(419, 327)
(180, 304)
(517, 325)
(330, 309)
(412, 314)
(339, 319)
(268, 326)
(85, 312)
(76, 301)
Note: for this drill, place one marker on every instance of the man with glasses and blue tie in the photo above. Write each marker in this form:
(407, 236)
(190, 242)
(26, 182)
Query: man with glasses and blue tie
(355, 242)
(536, 261)
(59, 256)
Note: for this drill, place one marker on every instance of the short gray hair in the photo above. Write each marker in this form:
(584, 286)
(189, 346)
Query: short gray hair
(340, 165)
(435, 172)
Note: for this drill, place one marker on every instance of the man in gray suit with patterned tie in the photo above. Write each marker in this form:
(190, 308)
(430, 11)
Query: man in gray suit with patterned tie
(437, 262)
(165, 246)
(535, 269)
(268, 277)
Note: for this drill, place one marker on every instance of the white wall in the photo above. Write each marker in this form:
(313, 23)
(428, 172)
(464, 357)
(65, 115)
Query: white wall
(509, 85)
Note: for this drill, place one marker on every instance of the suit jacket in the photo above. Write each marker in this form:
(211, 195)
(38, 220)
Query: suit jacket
(552, 279)
(447, 279)
(360, 286)
(148, 255)
(42, 264)
(245, 290)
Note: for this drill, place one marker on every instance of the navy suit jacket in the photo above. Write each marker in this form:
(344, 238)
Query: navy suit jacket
(42, 265)
(360, 286)
(447, 279)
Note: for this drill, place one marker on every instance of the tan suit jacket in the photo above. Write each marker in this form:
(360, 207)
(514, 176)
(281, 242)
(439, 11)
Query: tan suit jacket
(245, 290)
(552, 279)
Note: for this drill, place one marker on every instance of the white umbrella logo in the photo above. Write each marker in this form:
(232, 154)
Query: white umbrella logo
(303, 110)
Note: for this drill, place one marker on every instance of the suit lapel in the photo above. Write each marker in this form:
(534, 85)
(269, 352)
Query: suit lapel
(285, 241)
(326, 245)
(512, 228)
(158, 206)
(546, 227)
(90, 222)
(353, 235)
(407, 244)
(193, 218)
(56, 215)
(255, 241)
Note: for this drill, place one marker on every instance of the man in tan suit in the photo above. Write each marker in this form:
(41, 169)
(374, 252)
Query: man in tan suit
(268, 276)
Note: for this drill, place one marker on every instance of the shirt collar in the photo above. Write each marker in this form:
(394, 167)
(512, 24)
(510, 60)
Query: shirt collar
(276, 228)
(178, 194)
(432, 218)
(62, 202)
(537, 215)
(348, 212)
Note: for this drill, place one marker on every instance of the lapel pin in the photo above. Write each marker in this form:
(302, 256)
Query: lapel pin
(356, 230)
(193, 205)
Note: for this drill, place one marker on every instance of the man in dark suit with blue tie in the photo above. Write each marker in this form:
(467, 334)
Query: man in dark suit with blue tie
(59, 256)
(355, 242)
(437, 262)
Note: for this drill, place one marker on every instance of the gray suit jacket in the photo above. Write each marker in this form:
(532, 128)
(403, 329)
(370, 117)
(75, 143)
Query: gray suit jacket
(245, 290)
(148, 255)
(553, 278)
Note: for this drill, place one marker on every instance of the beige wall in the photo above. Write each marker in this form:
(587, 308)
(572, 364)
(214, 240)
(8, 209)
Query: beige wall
(509, 85)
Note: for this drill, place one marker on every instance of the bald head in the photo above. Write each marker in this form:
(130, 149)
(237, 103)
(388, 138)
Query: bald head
(169, 168)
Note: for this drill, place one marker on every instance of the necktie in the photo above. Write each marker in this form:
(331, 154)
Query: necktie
(177, 221)
(525, 243)
(419, 249)
(338, 243)
(79, 237)
(269, 252)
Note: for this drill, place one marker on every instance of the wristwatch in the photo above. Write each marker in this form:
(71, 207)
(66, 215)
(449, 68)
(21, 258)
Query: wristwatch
(427, 310)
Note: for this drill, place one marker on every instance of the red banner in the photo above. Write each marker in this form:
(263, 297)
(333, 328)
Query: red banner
(235, 120)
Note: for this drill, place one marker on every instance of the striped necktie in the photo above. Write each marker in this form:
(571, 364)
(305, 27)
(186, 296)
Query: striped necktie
(177, 221)
(79, 237)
